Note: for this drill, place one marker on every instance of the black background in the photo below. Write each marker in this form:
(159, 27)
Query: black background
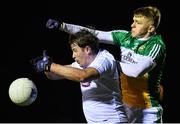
(24, 36)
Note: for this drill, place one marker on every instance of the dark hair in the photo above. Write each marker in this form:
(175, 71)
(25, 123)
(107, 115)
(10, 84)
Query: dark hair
(85, 38)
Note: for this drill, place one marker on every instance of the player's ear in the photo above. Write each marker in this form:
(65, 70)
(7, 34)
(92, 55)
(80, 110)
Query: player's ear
(88, 49)
(151, 29)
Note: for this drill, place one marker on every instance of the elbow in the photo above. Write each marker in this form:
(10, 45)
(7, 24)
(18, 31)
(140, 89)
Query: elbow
(132, 73)
(81, 80)
(86, 78)
(138, 72)
(82, 77)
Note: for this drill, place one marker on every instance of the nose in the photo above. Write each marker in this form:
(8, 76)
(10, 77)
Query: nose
(73, 56)
(132, 25)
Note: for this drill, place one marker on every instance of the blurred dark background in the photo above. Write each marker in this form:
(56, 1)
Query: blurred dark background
(25, 37)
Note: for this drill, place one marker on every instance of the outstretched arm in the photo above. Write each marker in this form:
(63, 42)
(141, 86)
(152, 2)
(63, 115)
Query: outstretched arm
(53, 76)
(56, 71)
(74, 74)
(103, 36)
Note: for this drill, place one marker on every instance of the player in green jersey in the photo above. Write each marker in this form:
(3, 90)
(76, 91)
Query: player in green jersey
(143, 55)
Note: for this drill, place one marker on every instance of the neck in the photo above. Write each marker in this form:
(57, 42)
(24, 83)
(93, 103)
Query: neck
(147, 36)
(90, 59)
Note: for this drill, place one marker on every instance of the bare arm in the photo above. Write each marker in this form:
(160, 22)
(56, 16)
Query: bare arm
(53, 76)
(74, 74)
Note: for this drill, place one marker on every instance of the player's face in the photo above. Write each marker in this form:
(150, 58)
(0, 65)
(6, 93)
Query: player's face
(79, 55)
(140, 27)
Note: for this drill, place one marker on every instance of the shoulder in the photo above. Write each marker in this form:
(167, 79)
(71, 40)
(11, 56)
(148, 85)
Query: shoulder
(104, 59)
(156, 46)
(157, 39)
(155, 43)
(105, 53)
(118, 33)
(105, 56)
(121, 35)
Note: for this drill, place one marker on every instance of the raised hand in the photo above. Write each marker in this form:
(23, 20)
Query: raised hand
(53, 24)
(42, 63)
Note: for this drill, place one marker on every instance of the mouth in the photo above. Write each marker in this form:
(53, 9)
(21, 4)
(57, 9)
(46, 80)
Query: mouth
(132, 31)
(77, 61)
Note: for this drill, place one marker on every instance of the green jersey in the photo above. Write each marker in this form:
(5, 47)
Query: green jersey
(142, 92)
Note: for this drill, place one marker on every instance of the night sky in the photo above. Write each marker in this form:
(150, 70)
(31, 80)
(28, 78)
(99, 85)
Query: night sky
(60, 101)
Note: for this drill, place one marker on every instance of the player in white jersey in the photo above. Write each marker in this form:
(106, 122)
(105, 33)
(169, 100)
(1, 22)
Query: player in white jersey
(97, 72)
(142, 60)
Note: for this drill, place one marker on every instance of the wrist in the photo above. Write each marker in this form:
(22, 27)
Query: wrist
(61, 25)
(48, 67)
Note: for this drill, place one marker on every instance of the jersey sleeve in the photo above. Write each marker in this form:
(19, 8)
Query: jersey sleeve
(103, 36)
(139, 68)
(71, 28)
(119, 36)
(103, 63)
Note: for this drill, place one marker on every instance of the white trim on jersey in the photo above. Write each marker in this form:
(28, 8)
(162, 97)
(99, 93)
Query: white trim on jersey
(155, 50)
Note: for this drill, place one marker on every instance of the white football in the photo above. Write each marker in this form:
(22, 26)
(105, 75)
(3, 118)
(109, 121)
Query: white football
(23, 91)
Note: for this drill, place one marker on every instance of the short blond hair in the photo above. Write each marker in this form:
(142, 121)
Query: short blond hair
(150, 12)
